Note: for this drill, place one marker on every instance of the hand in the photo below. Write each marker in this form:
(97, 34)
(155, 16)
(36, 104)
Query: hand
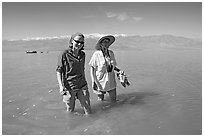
(99, 87)
(122, 72)
(96, 86)
(63, 90)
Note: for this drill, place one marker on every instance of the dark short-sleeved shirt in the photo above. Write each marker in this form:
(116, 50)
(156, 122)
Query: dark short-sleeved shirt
(72, 69)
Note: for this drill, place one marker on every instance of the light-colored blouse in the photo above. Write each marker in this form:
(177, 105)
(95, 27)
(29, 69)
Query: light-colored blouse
(106, 79)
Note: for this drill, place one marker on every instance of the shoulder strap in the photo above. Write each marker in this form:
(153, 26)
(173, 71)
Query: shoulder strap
(104, 58)
(106, 61)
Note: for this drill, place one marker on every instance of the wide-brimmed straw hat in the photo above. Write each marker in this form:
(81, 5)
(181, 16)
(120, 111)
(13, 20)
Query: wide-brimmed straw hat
(110, 37)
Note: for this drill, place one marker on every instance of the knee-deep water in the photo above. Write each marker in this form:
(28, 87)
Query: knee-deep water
(165, 95)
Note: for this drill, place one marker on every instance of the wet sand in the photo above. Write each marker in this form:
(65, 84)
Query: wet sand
(165, 96)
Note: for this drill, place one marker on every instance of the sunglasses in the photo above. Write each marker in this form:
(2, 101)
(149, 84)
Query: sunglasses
(81, 42)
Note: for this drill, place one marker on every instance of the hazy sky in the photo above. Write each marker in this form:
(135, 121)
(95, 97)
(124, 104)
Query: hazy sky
(23, 20)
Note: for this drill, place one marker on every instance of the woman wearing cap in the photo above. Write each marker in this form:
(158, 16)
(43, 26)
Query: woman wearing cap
(102, 69)
(71, 75)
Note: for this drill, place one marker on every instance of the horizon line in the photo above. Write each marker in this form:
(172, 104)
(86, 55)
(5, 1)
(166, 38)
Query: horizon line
(94, 35)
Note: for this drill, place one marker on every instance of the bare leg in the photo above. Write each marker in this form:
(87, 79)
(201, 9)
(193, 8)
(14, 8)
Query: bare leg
(112, 94)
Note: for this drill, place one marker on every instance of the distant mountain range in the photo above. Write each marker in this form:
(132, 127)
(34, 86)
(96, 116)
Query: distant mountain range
(122, 42)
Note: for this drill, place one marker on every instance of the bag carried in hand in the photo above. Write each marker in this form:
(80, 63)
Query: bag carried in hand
(123, 78)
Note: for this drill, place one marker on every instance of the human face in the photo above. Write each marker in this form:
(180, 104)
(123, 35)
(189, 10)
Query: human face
(78, 42)
(105, 44)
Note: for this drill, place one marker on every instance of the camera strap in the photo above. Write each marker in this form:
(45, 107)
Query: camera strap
(105, 57)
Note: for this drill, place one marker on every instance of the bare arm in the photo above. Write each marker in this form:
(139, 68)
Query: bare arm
(60, 81)
(94, 78)
(116, 69)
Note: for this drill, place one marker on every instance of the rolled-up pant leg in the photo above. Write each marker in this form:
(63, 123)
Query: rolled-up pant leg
(69, 100)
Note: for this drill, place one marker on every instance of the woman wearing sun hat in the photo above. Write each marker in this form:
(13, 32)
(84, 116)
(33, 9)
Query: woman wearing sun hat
(102, 65)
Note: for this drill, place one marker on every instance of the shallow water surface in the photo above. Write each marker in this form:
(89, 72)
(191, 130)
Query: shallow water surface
(164, 97)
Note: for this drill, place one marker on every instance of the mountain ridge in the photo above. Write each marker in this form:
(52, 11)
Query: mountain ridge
(122, 42)
(92, 35)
